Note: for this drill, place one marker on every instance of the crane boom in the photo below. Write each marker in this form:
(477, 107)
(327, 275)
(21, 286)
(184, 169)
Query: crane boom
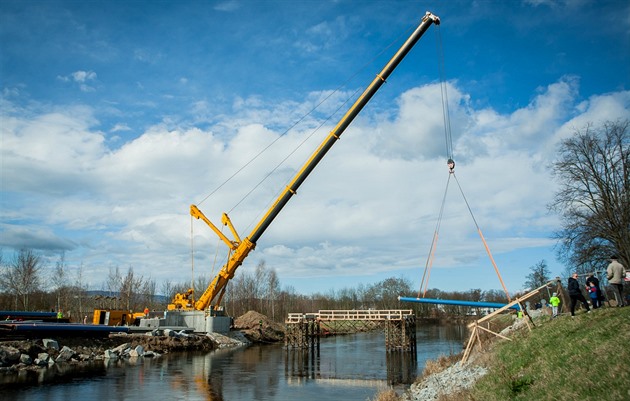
(240, 249)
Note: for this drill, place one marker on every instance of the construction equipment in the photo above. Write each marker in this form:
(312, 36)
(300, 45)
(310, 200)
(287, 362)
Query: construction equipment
(240, 248)
(116, 317)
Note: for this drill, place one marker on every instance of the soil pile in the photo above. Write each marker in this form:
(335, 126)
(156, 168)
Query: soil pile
(259, 328)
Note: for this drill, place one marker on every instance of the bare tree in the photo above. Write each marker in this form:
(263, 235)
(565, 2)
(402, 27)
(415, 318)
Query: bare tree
(539, 275)
(114, 281)
(167, 289)
(79, 289)
(147, 293)
(593, 169)
(201, 283)
(21, 277)
(260, 284)
(59, 280)
(129, 289)
(384, 295)
(273, 285)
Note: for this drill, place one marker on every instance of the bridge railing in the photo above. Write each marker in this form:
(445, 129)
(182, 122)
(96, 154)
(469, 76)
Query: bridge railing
(370, 314)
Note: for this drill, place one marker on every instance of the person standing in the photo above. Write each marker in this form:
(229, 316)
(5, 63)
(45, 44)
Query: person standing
(592, 293)
(616, 273)
(600, 296)
(575, 293)
(554, 301)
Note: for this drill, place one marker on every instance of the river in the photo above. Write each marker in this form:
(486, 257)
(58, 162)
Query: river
(351, 367)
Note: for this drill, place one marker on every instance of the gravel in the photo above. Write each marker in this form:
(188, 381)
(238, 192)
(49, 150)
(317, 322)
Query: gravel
(451, 380)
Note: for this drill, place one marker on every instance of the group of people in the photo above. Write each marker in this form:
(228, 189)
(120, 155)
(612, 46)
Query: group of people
(615, 274)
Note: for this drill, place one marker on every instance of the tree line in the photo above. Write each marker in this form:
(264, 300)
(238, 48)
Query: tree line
(22, 288)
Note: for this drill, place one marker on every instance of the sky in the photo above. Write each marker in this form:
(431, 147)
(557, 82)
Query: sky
(116, 116)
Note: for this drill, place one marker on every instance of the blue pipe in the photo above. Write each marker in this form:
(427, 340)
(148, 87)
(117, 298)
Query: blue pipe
(63, 327)
(457, 302)
(14, 314)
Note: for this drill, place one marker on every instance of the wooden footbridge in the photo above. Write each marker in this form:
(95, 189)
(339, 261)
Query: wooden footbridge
(304, 330)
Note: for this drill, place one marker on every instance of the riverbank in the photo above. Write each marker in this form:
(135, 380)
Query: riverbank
(581, 358)
(33, 354)
(43, 353)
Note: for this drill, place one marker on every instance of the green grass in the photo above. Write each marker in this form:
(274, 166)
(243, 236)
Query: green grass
(581, 358)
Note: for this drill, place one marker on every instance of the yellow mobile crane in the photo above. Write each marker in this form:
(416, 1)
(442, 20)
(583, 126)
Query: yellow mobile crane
(240, 248)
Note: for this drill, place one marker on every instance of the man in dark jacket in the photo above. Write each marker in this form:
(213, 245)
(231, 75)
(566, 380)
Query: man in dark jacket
(575, 293)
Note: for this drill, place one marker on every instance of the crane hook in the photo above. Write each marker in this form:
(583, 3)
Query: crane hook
(451, 166)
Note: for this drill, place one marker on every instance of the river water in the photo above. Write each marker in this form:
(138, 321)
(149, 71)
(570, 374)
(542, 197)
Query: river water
(351, 367)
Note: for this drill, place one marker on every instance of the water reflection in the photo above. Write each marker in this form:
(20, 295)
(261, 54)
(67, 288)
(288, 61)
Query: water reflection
(352, 367)
(302, 363)
(402, 367)
(306, 364)
(57, 373)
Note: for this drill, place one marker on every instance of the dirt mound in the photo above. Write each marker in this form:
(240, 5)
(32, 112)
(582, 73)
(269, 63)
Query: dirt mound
(259, 328)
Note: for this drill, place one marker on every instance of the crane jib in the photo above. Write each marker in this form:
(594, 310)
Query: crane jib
(216, 289)
(345, 121)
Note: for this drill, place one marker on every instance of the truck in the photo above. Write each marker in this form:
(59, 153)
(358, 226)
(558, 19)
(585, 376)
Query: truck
(239, 248)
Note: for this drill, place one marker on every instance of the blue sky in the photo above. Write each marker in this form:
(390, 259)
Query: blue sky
(116, 116)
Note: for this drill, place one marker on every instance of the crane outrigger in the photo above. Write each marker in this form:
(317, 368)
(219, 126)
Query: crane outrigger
(240, 248)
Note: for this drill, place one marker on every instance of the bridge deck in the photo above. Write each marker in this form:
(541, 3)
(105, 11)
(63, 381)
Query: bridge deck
(331, 315)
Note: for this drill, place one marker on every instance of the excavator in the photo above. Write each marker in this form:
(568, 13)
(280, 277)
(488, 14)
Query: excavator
(239, 249)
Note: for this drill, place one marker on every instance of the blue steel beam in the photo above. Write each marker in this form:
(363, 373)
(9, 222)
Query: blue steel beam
(474, 304)
(13, 314)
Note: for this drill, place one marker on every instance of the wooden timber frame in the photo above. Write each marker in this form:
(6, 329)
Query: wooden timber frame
(304, 330)
(476, 326)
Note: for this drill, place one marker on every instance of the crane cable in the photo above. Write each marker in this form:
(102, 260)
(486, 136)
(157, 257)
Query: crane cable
(451, 165)
(443, 90)
(302, 118)
(449, 152)
(485, 244)
(427, 267)
(296, 123)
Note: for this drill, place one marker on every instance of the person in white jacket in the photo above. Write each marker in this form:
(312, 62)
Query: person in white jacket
(616, 274)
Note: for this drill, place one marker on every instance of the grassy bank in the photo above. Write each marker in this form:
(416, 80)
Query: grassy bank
(568, 359)
(581, 358)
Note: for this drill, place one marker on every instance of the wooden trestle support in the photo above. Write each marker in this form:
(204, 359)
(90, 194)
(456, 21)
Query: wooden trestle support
(400, 335)
(476, 327)
(305, 330)
(303, 333)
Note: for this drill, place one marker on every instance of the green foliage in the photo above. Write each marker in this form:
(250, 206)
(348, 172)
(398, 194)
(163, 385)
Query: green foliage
(581, 358)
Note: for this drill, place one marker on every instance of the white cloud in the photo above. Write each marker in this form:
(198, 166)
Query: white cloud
(81, 78)
(369, 208)
(323, 35)
(228, 6)
(120, 127)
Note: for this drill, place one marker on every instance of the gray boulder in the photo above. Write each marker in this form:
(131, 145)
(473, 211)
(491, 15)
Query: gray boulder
(9, 356)
(26, 359)
(65, 354)
(48, 343)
